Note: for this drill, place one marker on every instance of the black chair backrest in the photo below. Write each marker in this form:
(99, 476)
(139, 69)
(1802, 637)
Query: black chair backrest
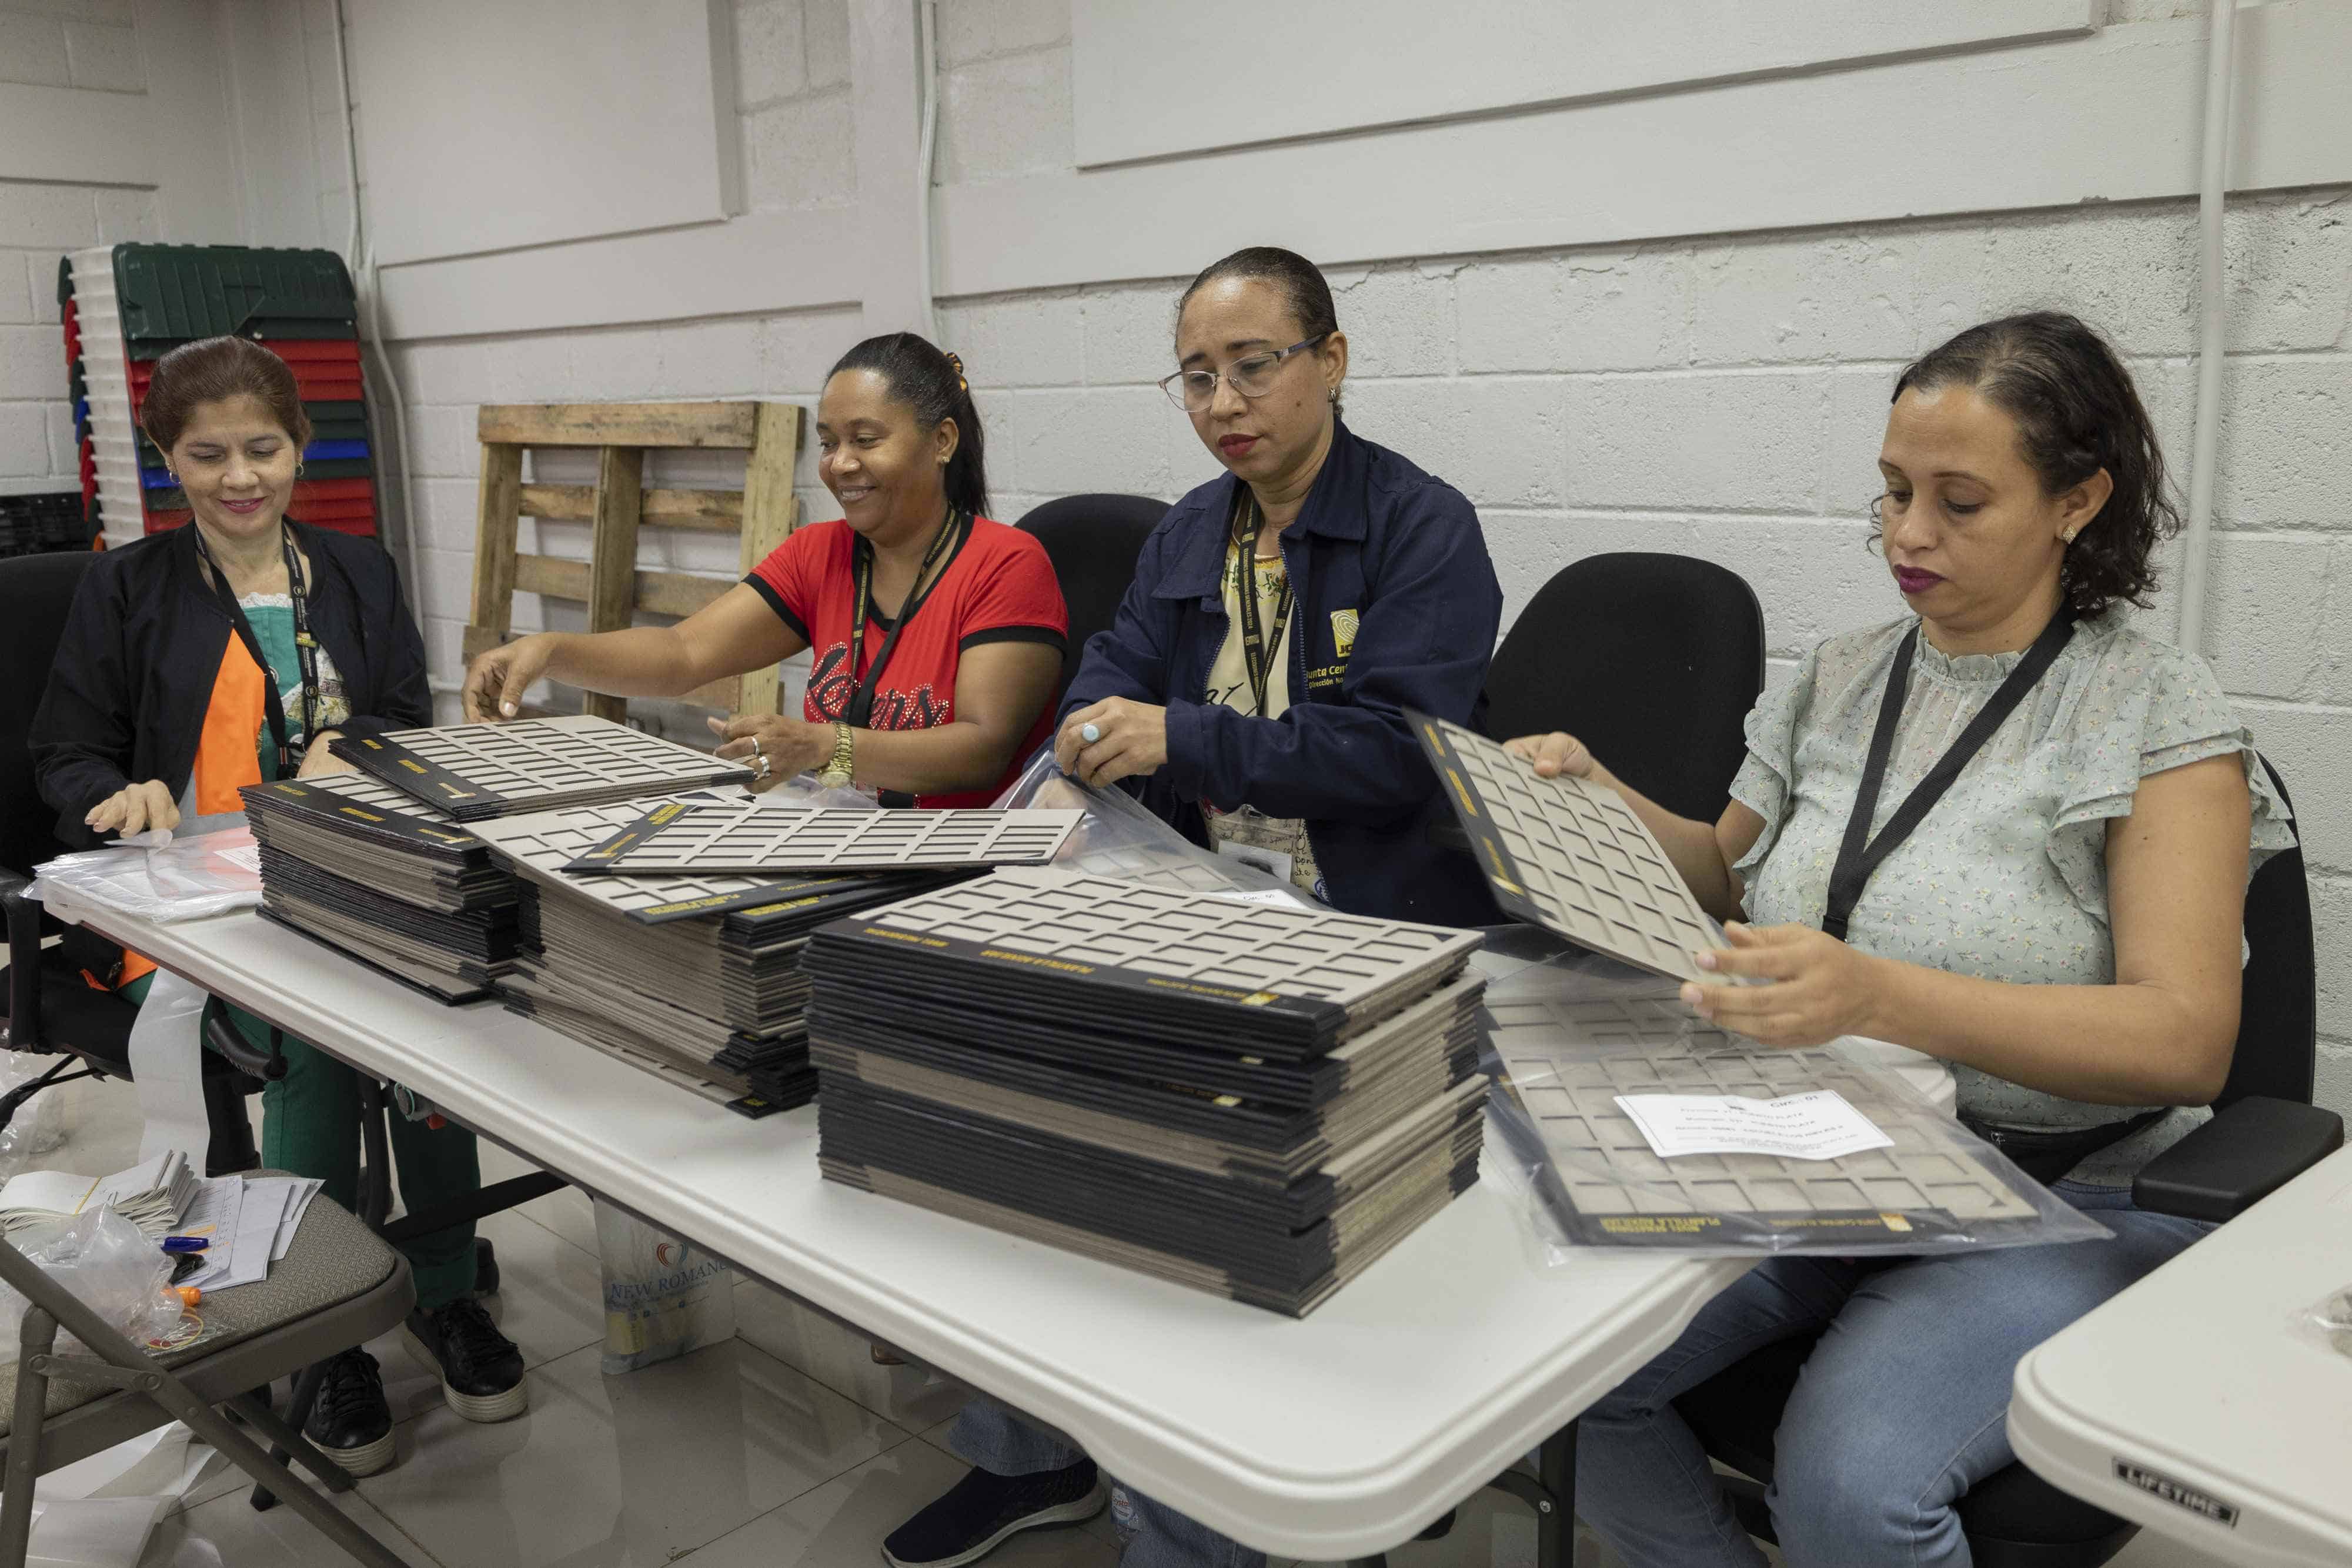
(35, 592)
(2278, 1014)
(1093, 541)
(1653, 661)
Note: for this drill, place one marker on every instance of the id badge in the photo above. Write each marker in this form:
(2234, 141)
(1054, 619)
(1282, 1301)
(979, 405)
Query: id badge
(1272, 862)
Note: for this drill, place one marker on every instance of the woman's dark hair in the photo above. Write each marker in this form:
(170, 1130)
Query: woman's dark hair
(2077, 411)
(932, 384)
(1300, 280)
(211, 370)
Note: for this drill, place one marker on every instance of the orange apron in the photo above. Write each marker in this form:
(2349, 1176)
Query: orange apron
(228, 754)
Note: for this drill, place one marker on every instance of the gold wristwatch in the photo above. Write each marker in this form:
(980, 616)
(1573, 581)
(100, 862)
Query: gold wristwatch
(838, 767)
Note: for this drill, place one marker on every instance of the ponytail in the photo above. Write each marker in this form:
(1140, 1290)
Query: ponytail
(932, 385)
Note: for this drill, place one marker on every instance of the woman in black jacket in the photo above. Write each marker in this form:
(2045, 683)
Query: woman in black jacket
(228, 652)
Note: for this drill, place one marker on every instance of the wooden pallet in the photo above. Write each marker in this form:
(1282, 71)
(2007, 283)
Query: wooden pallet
(616, 505)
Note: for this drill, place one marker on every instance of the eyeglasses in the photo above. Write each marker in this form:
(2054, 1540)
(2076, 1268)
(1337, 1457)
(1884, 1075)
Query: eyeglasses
(1253, 376)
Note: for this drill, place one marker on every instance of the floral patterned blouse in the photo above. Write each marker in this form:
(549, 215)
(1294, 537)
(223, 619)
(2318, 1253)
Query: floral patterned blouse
(2006, 879)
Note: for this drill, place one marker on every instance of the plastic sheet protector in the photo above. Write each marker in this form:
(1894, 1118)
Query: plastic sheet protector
(1569, 856)
(1570, 1043)
(476, 771)
(748, 839)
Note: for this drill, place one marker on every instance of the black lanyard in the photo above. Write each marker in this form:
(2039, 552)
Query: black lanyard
(863, 685)
(1857, 859)
(306, 649)
(1258, 649)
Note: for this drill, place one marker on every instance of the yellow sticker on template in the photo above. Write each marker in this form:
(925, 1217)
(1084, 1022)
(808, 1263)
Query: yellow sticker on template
(1343, 631)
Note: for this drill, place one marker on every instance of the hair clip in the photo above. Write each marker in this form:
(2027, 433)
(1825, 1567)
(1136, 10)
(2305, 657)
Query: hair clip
(956, 365)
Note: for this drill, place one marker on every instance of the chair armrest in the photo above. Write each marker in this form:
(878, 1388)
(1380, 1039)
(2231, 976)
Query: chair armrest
(2237, 1159)
(221, 1036)
(24, 918)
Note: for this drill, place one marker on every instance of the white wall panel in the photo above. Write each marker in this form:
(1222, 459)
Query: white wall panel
(1152, 81)
(2110, 117)
(529, 121)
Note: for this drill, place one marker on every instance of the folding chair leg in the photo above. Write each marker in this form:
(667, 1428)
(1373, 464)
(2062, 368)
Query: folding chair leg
(245, 1454)
(287, 1444)
(36, 1337)
(297, 1416)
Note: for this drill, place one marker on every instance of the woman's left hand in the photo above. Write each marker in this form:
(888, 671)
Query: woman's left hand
(791, 744)
(1817, 987)
(318, 761)
(1130, 741)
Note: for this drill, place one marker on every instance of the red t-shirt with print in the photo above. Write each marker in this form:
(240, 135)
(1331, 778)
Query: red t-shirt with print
(998, 587)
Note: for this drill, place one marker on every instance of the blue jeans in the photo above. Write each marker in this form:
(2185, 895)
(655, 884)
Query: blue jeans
(1151, 1534)
(1901, 1407)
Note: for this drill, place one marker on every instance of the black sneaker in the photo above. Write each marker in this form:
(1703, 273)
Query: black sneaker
(979, 1511)
(481, 1370)
(349, 1421)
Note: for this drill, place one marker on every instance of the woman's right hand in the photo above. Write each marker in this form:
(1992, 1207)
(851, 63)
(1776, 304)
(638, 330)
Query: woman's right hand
(134, 809)
(1556, 754)
(496, 680)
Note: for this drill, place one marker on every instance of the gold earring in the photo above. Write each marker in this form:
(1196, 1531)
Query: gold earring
(2068, 536)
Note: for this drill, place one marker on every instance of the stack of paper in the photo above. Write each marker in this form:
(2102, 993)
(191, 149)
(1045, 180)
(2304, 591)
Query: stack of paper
(151, 1195)
(693, 976)
(1257, 1100)
(359, 865)
(249, 1222)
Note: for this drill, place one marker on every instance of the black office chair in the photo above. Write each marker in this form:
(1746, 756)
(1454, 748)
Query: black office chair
(52, 1009)
(2266, 1132)
(1614, 643)
(1093, 541)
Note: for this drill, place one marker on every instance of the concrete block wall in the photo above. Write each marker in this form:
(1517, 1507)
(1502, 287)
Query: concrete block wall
(40, 222)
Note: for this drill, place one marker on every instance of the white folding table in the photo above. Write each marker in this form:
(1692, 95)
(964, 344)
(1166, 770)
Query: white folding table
(1336, 1436)
(2194, 1403)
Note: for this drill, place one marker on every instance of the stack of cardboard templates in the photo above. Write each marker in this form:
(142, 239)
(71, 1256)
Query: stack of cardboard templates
(1257, 1099)
(692, 976)
(353, 863)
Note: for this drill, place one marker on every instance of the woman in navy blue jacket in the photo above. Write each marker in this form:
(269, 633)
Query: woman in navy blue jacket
(1252, 692)
(1267, 720)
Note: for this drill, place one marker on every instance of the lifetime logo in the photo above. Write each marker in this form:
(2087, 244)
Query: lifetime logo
(2177, 1493)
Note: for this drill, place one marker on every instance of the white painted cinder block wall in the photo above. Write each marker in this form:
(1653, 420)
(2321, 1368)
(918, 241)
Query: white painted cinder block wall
(1721, 396)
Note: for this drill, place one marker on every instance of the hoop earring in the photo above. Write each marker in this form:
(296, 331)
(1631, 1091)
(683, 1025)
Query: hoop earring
(297, 469)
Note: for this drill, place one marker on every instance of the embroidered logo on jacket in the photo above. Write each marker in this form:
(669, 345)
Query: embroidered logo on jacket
(1343, 631)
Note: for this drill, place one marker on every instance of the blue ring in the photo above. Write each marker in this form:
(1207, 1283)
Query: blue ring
(1089, 734)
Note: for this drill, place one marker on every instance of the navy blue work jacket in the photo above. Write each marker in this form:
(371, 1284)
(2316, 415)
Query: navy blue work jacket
(1395, 606)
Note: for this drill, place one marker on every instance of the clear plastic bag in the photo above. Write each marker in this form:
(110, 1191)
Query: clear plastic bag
(38, 1128)
(1119, 838)
(663, 1297)
(1569, 1035)
(210, 866)
(113, 1267)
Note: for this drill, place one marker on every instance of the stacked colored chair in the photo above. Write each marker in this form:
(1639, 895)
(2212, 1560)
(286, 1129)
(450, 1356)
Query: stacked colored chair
(127, 305)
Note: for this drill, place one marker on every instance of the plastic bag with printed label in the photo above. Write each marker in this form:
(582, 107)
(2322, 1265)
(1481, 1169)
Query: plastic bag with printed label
(663, 1297)
(207, 867)
(1622, 1119)
(1119, 838)
(113, 1267)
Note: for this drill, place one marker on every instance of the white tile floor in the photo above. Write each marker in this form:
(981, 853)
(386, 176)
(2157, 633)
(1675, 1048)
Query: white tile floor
(786, 1447)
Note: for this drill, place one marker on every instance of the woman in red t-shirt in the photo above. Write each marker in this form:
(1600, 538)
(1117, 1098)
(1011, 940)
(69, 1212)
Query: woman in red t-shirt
(938, 634)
